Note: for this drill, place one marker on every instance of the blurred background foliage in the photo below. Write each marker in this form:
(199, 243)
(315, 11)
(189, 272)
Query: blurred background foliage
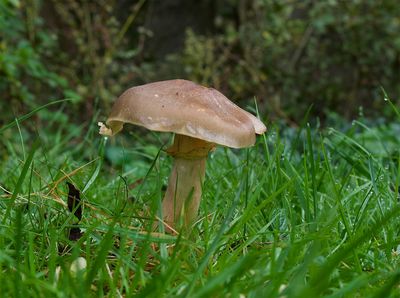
(289, 55)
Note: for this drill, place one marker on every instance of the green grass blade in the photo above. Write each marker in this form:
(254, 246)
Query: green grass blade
(30, 114)
(21, 179)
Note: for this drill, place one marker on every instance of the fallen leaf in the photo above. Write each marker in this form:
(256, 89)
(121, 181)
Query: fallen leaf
(74, 201)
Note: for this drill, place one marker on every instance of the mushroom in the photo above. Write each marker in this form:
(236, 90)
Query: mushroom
(201, 118)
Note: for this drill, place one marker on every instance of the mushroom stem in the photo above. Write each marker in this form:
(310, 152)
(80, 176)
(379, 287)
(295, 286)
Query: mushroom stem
(183, 195)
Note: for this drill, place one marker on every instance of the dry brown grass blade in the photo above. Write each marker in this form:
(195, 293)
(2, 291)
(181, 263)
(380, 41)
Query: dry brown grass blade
(69, 175)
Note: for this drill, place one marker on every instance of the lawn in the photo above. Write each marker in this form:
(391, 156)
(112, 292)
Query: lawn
(309, 211)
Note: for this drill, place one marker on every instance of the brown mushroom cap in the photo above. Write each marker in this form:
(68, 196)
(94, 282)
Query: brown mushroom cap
(186, 108)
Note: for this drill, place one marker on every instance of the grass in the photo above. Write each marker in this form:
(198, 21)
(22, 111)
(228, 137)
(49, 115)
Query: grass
(307, 212)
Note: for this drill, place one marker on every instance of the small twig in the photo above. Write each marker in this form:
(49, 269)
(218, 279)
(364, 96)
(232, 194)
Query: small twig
(300, 49)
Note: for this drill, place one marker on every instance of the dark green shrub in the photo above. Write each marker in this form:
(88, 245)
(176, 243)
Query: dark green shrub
(64, 49)
(25, 76)
(334, 55)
